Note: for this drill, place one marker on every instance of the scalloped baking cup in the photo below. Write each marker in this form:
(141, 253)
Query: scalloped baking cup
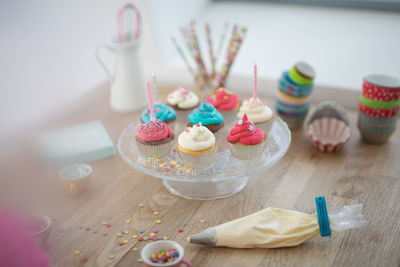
(292, 86)
(329, 109)
(247, 152)
(284, 88)
(328, 134)
(156, 151)
(201, 161)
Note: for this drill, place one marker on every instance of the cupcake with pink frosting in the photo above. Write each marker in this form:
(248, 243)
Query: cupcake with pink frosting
(154, 139)
(225, 102)
(246, 141)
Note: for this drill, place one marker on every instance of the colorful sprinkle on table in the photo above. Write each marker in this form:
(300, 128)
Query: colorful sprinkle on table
(111, 257)
(185, 224)
(155, 239)
(145, 238)
(152, 234)
(135, 249)
(155, 231)
(122, 232)
(94, 231)
(158, 221)
(141, 205)
(202, 221)
(126, 232)
(80, 226)
(127, 221)
(155, 213)
(104, 234)
(160, 238)
(165, 238)
(87, 229)
(125, 241)
(140, 260)
(140, 238)
(77, 252)
(141, 230)
(121, 243)
(180, 230)
(119, 235)
(108, 225)
(134, 236)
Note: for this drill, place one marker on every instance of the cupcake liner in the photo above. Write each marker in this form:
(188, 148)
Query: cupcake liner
(202, 161)
(375, 129)
(376, 121)
(329, 109)
(244, 152)
(328, 134)
(284, 88)
(375, 138)
(156, 151)
(375, 112)
(289, 108)
(291, 86)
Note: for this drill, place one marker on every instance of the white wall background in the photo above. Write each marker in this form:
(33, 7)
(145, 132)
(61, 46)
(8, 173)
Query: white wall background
(47, 47)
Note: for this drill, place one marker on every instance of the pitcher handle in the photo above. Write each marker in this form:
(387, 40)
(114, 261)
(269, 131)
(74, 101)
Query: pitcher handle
(101, 62)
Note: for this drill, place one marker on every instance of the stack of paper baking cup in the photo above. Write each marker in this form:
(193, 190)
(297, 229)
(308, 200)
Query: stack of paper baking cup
(293, 97)
(378, 108)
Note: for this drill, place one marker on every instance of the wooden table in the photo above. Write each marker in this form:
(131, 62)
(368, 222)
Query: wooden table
(359, 173)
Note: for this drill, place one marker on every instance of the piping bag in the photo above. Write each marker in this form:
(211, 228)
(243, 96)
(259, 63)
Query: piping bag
(275, 228)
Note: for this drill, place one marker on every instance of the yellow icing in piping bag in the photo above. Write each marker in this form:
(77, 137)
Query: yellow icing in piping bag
(274, 227)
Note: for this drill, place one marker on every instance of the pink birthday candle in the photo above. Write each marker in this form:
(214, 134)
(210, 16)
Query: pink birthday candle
(255, 82)
(152, 115)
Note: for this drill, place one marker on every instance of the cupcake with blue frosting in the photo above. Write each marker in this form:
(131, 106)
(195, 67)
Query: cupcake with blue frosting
(163, 113)
(208, 116)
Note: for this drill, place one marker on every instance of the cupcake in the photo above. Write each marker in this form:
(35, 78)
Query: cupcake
(163, 113)
(246, 141)
(226, 102)
(154, 139)
(196, 146)
(208, 116)
(182, 99)
(258, 113)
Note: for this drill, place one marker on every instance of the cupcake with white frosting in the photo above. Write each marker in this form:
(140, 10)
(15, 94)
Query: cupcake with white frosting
(197, 147)
(182, 99)
(258, 113)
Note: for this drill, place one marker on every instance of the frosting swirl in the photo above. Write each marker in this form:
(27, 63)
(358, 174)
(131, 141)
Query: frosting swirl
(153, 131)
(196, 138)
(206, 114)
(162, 112)
(255, 110)
(183, 98)
(245, 133)
(224, 100)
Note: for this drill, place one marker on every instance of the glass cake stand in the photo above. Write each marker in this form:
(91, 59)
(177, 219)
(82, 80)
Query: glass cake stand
(225, 177)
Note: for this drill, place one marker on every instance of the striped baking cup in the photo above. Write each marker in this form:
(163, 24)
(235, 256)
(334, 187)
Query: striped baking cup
(377, 112)
(292, 99)
(328, 134)
(381, 88)
(291, 109)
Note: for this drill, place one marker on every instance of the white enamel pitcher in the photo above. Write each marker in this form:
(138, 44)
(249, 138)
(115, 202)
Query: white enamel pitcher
(128, 86)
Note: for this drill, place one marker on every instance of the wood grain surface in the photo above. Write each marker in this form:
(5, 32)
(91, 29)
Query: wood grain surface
(359, 173)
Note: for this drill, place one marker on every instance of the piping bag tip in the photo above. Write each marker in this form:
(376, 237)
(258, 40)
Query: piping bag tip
(206, 237)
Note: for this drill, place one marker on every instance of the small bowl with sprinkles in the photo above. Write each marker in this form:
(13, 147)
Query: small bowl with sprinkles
(164, 253)
(76, 177)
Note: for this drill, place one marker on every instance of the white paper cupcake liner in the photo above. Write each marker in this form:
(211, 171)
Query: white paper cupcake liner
(202, 161)
(244, 152)
(156, 151)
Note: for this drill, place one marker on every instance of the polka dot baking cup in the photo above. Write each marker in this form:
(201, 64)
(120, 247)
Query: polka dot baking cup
(374, 112)
(374, 92)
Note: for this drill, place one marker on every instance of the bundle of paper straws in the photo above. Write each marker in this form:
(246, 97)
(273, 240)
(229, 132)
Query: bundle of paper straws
(209, 77)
